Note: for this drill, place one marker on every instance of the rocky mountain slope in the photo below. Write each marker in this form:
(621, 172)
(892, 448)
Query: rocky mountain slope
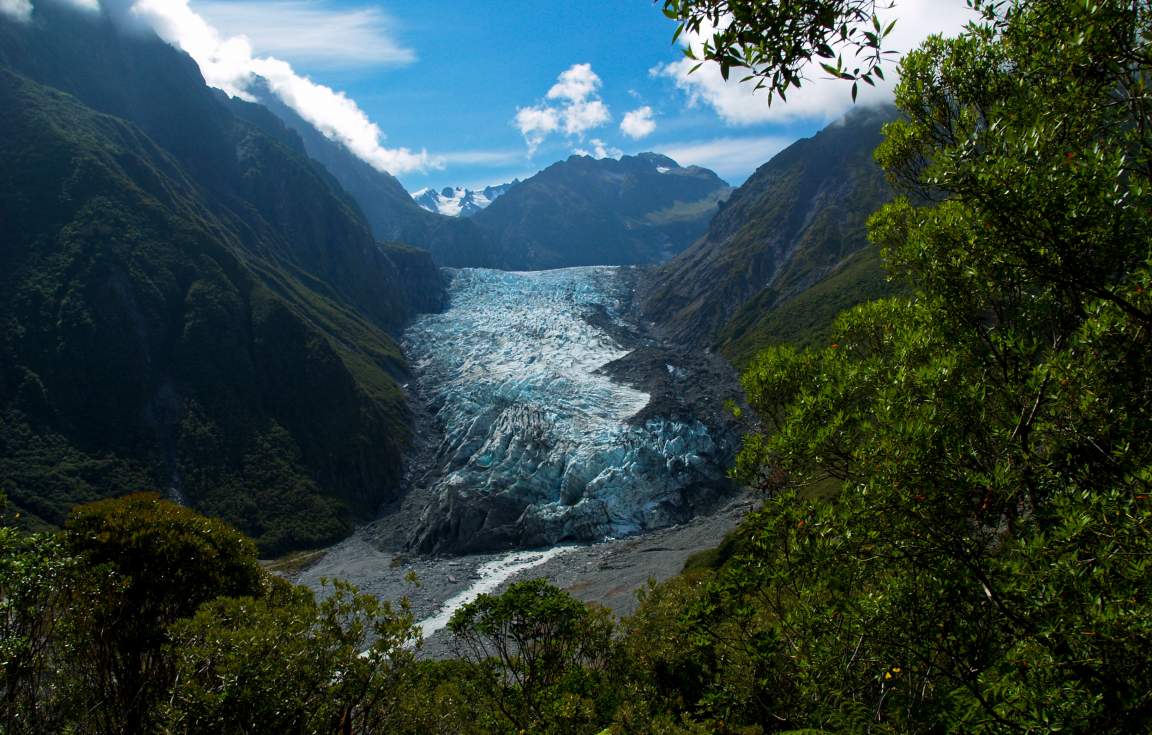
(386, 205)
(586, 211)
(458, 201)
(189, 302)
(799, 219)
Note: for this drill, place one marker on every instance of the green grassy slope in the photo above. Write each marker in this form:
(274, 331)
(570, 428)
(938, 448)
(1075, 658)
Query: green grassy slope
(806, 319)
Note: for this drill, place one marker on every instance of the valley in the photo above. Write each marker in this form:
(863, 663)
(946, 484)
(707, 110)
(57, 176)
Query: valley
(548, 418)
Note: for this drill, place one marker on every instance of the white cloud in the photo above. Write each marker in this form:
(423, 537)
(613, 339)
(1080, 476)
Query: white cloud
(20, 10)
(581, 117)
(339, 118)
(228, 63)
(732, 158)
(599, 150)
(638, 123)
(535, 124)
(482, 158)
(820, 98)
(310, 31)
(576, 84)
(578, 108)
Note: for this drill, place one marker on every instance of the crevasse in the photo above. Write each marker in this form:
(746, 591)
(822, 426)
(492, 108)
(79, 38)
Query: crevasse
(537, 444)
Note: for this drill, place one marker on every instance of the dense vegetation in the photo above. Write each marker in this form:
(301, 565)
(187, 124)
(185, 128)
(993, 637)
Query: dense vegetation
(187, 302)
(981, 565)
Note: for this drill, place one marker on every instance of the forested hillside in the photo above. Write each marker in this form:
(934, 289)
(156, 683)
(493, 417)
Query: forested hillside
(190, 303)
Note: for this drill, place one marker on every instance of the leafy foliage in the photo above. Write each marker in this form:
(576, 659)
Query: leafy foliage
(145, 616)
(285, 663)
(775, 42)
(545, 656)
(33, 574)
(989, 431)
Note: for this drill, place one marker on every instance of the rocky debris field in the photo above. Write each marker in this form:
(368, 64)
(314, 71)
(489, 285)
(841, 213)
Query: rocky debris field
(608, 573)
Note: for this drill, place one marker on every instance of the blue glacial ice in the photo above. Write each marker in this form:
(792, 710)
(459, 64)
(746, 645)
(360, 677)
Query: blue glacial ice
(537, 444)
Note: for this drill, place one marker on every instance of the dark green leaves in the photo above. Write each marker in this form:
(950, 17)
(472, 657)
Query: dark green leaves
(777, 41)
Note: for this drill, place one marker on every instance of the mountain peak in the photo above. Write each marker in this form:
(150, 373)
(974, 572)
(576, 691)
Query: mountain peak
(658, 160)
(459, 201)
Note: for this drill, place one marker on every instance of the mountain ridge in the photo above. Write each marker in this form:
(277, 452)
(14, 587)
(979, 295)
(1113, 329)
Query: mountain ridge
(189, 302)
(586, 211)
(791, 225)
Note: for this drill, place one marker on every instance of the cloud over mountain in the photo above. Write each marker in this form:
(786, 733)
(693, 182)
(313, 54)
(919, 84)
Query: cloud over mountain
(638, 123)
(230, 63)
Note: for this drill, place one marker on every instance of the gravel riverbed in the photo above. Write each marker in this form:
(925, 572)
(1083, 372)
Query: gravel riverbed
(608, 573)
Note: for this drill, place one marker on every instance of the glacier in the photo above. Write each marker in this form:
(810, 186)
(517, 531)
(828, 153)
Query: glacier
(538, 443)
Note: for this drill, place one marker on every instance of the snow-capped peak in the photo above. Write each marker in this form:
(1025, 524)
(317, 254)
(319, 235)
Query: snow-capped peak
(458, 201)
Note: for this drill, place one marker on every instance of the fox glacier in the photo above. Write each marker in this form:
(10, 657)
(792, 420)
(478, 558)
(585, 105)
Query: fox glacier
(556, 420)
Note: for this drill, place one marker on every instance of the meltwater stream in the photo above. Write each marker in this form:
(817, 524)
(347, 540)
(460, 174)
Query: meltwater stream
(540, 445)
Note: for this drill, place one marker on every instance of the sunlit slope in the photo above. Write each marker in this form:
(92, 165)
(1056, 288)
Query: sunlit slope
(801, 218)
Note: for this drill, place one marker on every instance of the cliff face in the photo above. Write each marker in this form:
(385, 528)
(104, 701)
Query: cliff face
(795, 222)
(188, 301)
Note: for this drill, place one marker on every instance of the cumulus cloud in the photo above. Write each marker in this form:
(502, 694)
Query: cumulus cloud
(638, 123)
(576, 84)
(583, 116)
(230, 63)
(820, 98)
(21, 10)
(535, 124)
(575, 108)
(599, 150)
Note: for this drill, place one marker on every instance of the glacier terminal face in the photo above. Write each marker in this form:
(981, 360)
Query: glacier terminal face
(539, 445)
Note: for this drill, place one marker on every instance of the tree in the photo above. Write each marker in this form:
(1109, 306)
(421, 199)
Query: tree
(285, 663)
(544, 654)
(984, 565)
(36, 581)
(148, 562)
(773, 42)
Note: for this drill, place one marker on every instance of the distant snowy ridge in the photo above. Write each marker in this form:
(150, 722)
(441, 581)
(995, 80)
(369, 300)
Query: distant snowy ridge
(459, 202)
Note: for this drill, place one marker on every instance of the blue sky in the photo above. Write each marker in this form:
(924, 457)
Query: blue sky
(469, 93)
